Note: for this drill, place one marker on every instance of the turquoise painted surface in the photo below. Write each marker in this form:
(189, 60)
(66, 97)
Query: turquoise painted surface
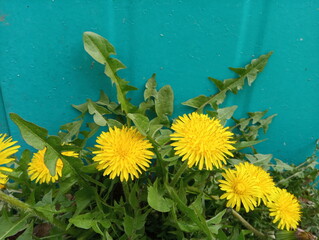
(44, 68)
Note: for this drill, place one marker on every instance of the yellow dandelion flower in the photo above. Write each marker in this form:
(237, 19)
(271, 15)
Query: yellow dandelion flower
(203, 141)
(6, 151)
(3, 177)
(70, 154)
(38, 170)
(123, 152)
(263, 179)
(240, 188)
(286, 209)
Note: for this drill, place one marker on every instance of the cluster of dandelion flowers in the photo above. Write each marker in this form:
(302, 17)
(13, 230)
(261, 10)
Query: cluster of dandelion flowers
(39, 172)
(7, 149)
(240, 189)
(123, 152)
(286, 209)
(263, 179)
(202, 141)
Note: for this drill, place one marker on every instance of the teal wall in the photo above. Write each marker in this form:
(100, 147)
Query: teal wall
(44, 68)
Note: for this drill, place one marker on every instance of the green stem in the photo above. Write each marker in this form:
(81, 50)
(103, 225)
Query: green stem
(247, 225)
(179, 174)
(15, 202)
(126, 191)
(128, 122)
(159, 157)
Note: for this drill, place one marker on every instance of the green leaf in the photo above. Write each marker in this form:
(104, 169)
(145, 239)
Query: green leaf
(46, 206)
(9, 227)
(245, 144)
(197, 102)
(251, 70)
(164, 137)
(72, 129)
(164, 103)
(82, 198)
(37, 138)
(193, 215)
(141, 122)
(34, 135)
(108, 236)
(92, 180)
(98, 47)
(187, 226)
(82, 107)
(96, 228)
(234, 84)
(225, 113)
(52, 153)
(27, 234)
(256, 116)
(140, 220)
(281, 166)
(150, 88)
(144, 106)
(128, 225)
(97, 112)
(243, 123)
(113, 123)
(261, 160)
(90, 220)
(25, 160)
(87, 134)
(134, 202)
(156, 200)
(219, 84)
(104, 99)
(162, 120)
(221, 235)
(95, 108)
(197, 205)
(216, 219)
(234, 234)
(215, 228)
(82, 221)
(64, 187)
(100, 50)
(91, 168)
(241, 236)
(265, 122)
(154, 128)
(171, 159)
